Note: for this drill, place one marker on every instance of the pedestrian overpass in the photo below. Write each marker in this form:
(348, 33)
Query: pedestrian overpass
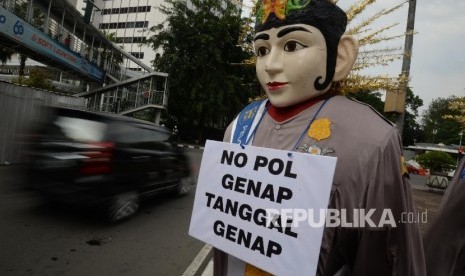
(54, 33)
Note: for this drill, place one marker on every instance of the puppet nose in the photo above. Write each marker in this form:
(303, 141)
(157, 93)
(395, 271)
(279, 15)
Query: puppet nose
(274, 63)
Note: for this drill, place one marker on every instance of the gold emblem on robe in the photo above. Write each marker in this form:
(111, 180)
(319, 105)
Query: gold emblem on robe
(320, 129)
(403, 170)
(251, 270)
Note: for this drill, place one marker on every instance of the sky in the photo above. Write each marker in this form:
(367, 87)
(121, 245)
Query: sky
(438, 56)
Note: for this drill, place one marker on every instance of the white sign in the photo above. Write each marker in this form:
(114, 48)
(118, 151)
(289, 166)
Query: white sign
(237, 186)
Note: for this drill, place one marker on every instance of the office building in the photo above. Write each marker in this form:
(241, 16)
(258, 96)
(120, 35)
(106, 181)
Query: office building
(130, 22)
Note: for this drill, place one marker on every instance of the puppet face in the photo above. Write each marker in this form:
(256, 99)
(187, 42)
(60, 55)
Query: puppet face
(290, 59)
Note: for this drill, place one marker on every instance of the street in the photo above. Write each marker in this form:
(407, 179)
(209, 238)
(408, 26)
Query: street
(40, 238)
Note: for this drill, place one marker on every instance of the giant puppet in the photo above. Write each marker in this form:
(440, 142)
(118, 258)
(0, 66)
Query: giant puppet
(302, 54)
(444, 240)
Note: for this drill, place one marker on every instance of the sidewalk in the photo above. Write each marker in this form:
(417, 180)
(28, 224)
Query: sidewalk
(424, 199)
(190, 146)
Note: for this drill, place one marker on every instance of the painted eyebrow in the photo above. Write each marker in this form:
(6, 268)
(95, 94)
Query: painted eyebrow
(261, 36)
(285, 31)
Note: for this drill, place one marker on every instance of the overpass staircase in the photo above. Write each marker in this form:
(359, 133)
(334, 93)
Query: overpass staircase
(110, 86)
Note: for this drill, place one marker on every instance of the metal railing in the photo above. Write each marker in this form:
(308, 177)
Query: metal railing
(149, 91)
(124, 90)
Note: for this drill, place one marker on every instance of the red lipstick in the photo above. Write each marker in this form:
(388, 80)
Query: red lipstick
(275, 85)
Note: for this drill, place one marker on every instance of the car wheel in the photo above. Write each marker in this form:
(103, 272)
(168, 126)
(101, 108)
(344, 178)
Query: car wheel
(123, 206)
(185, 186)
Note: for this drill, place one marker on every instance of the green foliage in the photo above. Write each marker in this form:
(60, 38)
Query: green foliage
(37, 79)
(116, 57)
(412, 131)
(21, 9)
(200, 49)
(457, 106)
(5, 54)
(436, 161)
(433, 118)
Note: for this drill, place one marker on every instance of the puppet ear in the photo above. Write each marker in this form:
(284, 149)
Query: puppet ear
(347, 51)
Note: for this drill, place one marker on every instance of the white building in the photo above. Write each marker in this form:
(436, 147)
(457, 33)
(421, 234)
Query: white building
(130, 20)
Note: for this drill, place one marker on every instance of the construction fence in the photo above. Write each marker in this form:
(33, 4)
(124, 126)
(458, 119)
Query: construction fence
(20, 108)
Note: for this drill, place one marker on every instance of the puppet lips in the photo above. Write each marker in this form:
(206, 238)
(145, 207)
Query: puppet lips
(276, 85)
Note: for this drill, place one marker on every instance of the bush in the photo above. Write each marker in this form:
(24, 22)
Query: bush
(37, 79)
(436, 161)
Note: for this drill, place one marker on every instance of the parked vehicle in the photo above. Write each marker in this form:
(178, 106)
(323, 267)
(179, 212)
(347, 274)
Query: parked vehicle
(108, 161)
(414, 167)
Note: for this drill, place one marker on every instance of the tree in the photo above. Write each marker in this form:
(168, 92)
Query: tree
(116, 57)
(412, 131)
(457, 111)
(5, 54)
(200, 53)
(436, 126)
(38, 18)
(436, 161)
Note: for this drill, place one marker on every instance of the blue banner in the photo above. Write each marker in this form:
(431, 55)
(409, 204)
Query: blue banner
(29, 36)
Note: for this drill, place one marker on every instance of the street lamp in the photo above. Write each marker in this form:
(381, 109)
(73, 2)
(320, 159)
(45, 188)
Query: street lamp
(460, 134)
(434, 133)
(460, 147)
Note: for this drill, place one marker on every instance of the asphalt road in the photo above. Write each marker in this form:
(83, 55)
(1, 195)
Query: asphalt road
(39, 238)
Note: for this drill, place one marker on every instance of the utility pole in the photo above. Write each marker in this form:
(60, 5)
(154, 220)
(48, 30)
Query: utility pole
(406, 61)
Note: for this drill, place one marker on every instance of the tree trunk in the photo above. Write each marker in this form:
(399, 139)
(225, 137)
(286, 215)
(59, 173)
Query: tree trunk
(22, 65)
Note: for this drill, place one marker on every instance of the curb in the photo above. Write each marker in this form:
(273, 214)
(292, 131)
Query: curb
(191, 146)
(200, 262)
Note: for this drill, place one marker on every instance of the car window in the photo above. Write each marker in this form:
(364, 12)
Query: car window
(135, 134)
(78, 129)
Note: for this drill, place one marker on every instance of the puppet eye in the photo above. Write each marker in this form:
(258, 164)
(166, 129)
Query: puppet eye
(262, 51)
(293, 46)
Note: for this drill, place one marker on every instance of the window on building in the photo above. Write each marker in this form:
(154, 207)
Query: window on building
(136, 39)
(139, 55)
(126, 10)
(123, 25)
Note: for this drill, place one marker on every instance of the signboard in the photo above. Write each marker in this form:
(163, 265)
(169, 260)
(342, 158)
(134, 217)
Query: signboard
(253, 203)
(24, 33)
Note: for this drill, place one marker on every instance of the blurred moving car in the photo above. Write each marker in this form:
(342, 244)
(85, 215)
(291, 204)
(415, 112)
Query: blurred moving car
(414, 167)
(109, 161)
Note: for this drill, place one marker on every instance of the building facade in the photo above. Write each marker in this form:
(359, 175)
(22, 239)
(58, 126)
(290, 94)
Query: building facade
(129, 21)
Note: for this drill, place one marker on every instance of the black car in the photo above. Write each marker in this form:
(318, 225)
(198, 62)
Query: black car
(110, 161)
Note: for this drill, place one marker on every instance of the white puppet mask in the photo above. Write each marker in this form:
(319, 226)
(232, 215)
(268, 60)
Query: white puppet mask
(289, 60)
